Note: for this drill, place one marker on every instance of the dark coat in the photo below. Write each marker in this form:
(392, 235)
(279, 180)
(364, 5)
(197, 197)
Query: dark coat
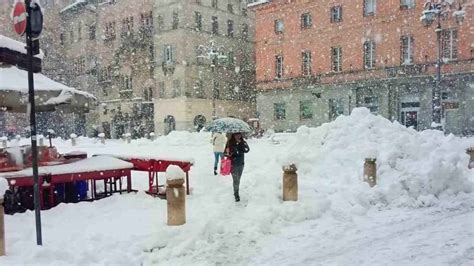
(237, 152)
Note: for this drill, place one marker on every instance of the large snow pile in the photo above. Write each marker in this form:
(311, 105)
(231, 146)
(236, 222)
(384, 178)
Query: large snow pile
(413, 168)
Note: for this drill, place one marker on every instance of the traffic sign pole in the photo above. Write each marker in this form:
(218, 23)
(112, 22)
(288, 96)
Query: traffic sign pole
(34, 147)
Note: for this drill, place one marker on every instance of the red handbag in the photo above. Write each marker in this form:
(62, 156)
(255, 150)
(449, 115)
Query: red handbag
(226, 165)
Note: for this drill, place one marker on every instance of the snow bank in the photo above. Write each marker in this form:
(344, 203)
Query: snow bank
(174, 172)
(413, 168)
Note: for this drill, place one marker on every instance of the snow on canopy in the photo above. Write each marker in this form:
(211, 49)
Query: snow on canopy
(15, 79)
(16, 46)
(98, 163)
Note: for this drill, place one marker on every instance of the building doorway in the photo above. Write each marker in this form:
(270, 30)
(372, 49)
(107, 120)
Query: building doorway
(170, 124)
(409, 113)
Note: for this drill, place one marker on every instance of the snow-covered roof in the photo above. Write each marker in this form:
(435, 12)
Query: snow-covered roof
(76, 4)
(98, 163)
(16, 46)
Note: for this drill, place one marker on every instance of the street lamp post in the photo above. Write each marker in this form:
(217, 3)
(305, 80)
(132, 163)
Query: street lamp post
(436, 10)
(215, 54)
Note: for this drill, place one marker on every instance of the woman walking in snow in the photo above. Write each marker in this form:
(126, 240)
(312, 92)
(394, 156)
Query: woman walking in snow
(219, 141)
(236, 149)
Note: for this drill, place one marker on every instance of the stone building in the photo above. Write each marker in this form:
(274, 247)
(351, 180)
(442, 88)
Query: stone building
(316, 60)
(154, 65)
(205, 62)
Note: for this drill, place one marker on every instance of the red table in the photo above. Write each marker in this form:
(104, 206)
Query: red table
(108, 169)
(154, 165)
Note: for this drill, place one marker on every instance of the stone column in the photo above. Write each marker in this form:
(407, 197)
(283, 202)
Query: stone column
(370, 171)
(290, 183)
(176, 198)
(470, 152)
(2, 228)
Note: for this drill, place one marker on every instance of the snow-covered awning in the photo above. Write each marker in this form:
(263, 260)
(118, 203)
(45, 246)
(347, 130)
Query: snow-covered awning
(48, 93)
(16, 46)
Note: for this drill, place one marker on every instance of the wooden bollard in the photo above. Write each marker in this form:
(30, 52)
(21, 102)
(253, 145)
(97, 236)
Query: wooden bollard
(370, 171)
(175, 196)
(2, 229)
(128, 137)
(152, 136)
(290, 183)
(41, 141)
(73, 139)
(470, 152)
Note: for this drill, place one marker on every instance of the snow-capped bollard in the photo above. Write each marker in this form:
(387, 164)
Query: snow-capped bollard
(370, 171)
(128, 137)
(470, 152)
(4, 142)
(290, 183)
(175, 195)
(41, 140)
(18, 138)
(73, 139)
(152, 136)
(102, 138)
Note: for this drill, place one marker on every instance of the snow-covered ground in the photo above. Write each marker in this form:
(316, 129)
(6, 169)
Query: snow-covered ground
(420, 213)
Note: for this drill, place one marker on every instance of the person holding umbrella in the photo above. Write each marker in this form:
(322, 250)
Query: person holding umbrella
(236, 149)
(236, 146)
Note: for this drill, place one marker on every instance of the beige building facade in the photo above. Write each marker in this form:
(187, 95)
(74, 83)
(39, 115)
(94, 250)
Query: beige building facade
(205, 63)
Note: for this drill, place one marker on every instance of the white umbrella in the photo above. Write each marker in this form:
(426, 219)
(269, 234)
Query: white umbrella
(229, 125)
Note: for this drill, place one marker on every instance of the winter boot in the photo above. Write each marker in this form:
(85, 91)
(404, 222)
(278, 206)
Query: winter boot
(215, 171)
(237, 197)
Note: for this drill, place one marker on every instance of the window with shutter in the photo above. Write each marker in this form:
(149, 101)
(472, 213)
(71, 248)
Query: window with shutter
(369, 55)
(279, 66)
(306, 63)
(449, 44)
(369, 7)
(406, 50)
(336, 59)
